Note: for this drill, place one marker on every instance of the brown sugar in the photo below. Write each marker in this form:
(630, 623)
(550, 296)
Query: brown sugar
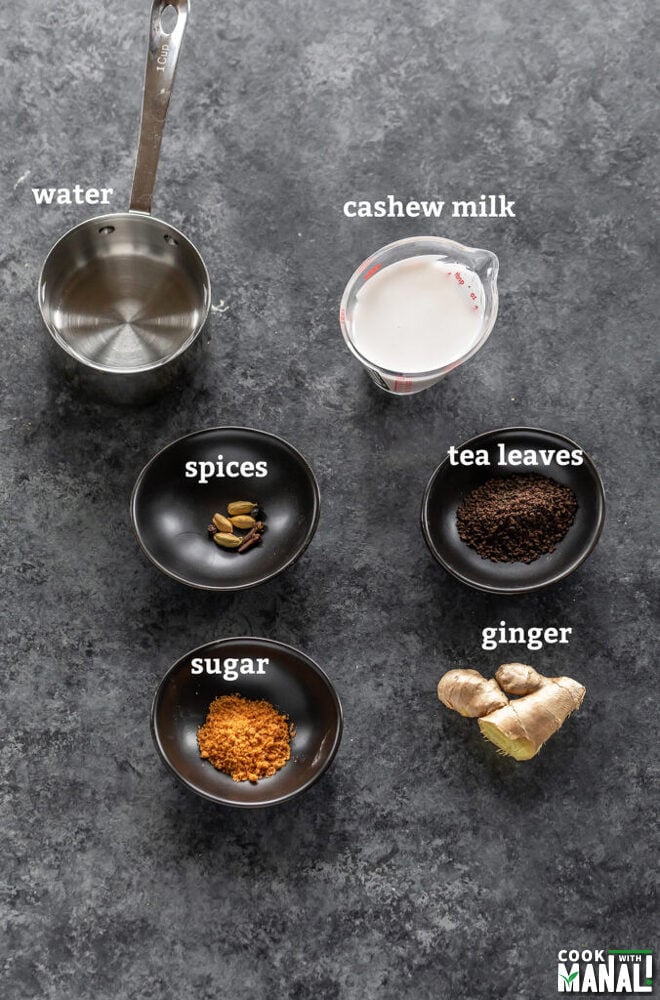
(246, 739)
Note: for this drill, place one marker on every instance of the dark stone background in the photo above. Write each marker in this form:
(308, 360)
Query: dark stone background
(423, 865)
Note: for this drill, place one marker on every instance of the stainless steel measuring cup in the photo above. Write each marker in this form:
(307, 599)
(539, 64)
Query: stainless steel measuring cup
(125, 294)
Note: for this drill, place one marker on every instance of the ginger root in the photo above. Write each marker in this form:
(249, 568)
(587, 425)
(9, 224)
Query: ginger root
(470, 694)
(520, 727)
(518, 678)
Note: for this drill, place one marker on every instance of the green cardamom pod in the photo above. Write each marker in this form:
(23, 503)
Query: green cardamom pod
(240, 507)
(227, 541)
(223, 523)
(243, 521)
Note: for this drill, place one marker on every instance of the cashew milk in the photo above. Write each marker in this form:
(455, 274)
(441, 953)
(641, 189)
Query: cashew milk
(418, 314)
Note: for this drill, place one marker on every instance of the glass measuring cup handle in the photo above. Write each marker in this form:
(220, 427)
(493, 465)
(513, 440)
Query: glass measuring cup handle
(162, 58)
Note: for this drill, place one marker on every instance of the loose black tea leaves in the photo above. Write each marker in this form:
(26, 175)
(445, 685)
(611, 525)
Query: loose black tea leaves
(516, 518)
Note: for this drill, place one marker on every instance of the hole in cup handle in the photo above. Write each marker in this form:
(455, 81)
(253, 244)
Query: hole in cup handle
(168, 18)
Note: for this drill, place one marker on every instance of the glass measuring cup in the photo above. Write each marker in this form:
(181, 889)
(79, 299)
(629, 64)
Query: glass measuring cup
(471, 274)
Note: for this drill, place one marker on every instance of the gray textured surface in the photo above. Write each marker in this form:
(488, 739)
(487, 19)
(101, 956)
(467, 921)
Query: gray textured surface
(423, 865)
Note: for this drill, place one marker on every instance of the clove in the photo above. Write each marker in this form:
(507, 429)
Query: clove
(249, 541)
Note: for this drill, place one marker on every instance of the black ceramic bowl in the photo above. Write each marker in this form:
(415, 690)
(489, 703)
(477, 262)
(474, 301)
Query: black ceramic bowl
(449, 484)
(170, 511)
(291, 681)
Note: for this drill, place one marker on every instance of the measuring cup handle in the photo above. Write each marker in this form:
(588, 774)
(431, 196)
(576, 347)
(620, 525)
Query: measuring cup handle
(162, 58)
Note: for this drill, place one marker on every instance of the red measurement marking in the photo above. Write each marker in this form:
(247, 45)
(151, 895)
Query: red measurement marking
(402, 384)
(373, 270)
(342, 315)
(458, 278)
(472, 295)
(475, 307)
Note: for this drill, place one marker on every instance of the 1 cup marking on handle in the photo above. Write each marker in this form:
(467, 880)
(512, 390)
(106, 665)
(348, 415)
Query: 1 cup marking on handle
(161, 61)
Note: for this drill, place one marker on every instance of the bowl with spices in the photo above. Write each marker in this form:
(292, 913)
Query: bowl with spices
(513, 510)
(225, 508)
(246, 721)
